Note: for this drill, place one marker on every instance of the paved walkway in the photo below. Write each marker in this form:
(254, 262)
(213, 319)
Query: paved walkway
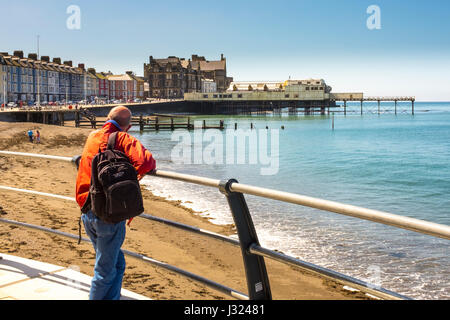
(25, 279)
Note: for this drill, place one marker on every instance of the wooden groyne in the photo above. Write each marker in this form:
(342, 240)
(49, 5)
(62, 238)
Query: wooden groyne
(154, 122)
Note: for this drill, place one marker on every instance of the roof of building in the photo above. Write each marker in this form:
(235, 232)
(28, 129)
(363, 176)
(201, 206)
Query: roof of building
(271, 85)
(201, 63)
(120, 77)
(209, 65)
(171, 60)
(256, 86)
(42, 64)
(102, 76)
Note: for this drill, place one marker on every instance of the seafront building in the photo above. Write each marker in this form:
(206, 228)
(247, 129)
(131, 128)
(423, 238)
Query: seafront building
(27, 80)
(30, 80)
(173, 77)
(289, 90)
(310, 95)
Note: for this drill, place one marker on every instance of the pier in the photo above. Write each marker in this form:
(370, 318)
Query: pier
(378, 100)
(166, 115)
(310, 96)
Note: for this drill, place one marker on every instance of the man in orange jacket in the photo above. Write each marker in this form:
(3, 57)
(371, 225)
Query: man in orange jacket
(107, 238)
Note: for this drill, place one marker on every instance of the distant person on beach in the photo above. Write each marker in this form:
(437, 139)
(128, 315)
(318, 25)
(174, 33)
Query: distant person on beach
(30, 135)
(107, 238)
(38, 136)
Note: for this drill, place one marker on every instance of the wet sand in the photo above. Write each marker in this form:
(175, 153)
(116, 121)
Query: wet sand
(215, 260)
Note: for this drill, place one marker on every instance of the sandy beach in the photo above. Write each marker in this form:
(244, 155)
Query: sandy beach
(212, 259)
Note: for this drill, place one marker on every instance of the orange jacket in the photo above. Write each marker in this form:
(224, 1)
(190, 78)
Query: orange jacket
(140, 157)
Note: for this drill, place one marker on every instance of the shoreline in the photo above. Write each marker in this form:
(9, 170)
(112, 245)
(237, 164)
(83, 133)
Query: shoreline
(176, 247)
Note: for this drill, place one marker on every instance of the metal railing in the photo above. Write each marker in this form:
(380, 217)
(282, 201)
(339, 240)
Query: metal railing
(253, 254)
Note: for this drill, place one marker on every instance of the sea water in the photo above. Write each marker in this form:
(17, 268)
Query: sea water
(399, 163)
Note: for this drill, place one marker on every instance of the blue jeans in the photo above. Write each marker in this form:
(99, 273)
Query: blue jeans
(109, 259)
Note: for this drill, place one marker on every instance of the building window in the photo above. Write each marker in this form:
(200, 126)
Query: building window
(240, 95)
(205, 96)
(215, 96)
(307, 88)
(286, 96)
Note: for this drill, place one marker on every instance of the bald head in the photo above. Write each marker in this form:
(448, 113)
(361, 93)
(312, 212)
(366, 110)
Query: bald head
(122, 115)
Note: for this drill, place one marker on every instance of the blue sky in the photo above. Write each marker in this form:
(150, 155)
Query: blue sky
(262, 40)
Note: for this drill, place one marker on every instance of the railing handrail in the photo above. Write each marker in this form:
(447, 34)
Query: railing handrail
(413, 224)
(254, 249)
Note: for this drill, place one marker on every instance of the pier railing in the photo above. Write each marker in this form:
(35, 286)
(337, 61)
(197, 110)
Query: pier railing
(252, 252)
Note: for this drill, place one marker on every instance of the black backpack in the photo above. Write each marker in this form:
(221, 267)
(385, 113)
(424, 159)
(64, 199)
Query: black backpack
(115, 194)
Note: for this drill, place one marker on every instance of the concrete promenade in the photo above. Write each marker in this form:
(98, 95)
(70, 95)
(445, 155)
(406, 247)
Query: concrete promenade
(25, 279)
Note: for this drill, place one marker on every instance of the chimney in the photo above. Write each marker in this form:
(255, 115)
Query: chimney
(32, 56)
(18, 54)
(81, 66)
(57, 60)
(130, 73)
(45, 58)
(68, 63)
(221, 57)
(151, 59)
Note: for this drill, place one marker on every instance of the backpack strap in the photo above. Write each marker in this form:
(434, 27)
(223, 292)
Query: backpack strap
(112, 140)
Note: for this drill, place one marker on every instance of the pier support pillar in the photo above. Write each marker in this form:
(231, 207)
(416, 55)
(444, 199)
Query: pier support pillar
(412, 106)
(395, 103)
(361, 107)
(378, 106)
(345, 107)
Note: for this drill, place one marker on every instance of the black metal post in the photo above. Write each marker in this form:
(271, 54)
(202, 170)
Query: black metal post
(255, 267)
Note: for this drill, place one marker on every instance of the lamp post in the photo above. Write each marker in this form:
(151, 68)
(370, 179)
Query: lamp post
(4, 87)
(38, 77)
